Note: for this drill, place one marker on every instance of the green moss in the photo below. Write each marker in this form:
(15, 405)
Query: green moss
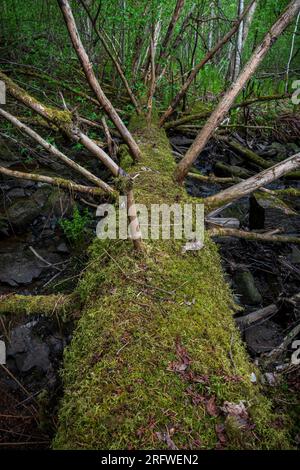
(120, 388)
(125, 159)
(38, 304)
(271, 200)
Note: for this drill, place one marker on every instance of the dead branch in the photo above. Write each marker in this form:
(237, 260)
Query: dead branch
(54, 151)
(276, 353)
(112, 148)
(213, 179)
(253, 236)
(166, 41)
(134, 226)
(153, 78)
(263, 313)
(255, 182)
(63, 120)
(260, 314)
(210, 54)
(92, 80)
(114, 59)
(243, 104)
(59, 182)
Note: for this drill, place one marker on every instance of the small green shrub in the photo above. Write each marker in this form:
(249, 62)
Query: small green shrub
(75, 228)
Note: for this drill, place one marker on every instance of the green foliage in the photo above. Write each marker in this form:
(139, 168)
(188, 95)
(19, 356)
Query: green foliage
(75, 228)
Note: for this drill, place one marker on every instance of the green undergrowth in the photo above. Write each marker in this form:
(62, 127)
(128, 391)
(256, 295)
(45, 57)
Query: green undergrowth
(157, 340)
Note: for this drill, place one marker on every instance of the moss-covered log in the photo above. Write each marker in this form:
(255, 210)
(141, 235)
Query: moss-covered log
(157, 340)
(13, 304)
(253, 157)
(254, 236)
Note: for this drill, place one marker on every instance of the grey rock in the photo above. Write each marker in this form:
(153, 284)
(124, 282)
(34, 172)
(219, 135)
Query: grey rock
(280, 149)
(22, 212)
(28, 351)
(16, 192)
(19, 268)
(62, 248)
(263, 337)
(295, 255)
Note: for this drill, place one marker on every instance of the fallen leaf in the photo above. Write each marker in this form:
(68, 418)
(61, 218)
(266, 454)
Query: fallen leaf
(211, 407)
(183, 359)
(195, 396)
(220, 430)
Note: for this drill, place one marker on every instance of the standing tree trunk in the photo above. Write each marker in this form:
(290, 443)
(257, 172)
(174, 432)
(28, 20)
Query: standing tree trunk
(248, 21)
(227, 101)
(92, 80)
(210, 54)
(165, 44)
(114, 59)
(291, 54)
(239, 44)
(211, 27)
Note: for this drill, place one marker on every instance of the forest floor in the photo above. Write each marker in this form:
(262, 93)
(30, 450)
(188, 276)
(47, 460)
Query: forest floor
(267, 273)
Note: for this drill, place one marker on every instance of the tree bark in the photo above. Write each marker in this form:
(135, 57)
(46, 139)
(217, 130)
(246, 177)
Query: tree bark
(291, 53)
(60, 182)
(239, 44)
(253, 236)
(218, 115)
(255, 182)
(210, 54)
(92, 80)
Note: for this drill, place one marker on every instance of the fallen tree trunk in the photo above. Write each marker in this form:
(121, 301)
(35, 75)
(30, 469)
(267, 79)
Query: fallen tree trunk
(13, 304)
(59, 182)
(92, 80)
(255, 182)
(158, 331)
(243, 104)
(214, 179)
(253, 157)
(225, 104)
